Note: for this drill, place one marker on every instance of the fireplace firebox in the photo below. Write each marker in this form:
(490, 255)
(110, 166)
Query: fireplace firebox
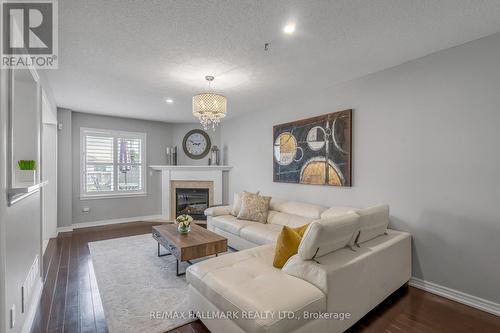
(192, 201)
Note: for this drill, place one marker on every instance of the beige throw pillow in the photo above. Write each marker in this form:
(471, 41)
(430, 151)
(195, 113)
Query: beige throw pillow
(235, 210)
(254, 207)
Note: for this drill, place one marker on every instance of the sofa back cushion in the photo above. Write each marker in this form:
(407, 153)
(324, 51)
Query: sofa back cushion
(279, 218)
(328, 235)
(337, 211)
(297, 208)
(373, 222)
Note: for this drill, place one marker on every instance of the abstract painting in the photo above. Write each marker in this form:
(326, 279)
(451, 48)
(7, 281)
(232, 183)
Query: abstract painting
(314, 150)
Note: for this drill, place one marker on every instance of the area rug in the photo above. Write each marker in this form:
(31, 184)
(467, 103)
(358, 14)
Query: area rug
(137, 287)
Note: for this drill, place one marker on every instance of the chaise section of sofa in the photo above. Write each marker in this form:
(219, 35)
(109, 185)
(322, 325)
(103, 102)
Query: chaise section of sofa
(247, 285)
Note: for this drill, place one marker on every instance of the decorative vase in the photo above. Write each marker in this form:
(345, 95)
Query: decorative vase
(184, 223)
(182, 229)
(26, 177)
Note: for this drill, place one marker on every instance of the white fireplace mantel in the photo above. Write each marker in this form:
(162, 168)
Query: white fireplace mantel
(189, 173)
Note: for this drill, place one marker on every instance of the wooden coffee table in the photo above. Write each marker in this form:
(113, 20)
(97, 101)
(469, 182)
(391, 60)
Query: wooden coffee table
(198, 243)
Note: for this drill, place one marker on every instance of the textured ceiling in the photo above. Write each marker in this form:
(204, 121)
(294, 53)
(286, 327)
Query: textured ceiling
(124, 58)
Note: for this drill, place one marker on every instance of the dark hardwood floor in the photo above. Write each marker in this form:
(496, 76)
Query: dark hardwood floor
(71, 302)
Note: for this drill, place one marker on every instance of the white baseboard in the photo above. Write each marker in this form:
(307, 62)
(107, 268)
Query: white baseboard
(35, 299)
(457, 296)
(45, 242)
(64, 229)
(107, 222)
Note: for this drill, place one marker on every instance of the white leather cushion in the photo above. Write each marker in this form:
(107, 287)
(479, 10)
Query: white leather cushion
(261, 234)
(337, 211)
(276, 203)
(297, 208)
(328, 235)
(275, 217)
(230, 224)
(373, 222)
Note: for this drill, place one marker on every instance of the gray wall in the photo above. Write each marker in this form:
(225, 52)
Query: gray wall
(180, 130)
(425, 141)
(159, 136)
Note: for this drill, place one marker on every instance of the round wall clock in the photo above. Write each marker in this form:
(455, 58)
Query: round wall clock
(196, 144)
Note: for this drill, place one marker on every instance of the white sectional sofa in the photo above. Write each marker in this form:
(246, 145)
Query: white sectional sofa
(347, 263)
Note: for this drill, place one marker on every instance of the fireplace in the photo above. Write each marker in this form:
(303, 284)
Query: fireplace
(192, 201)
(190, 197)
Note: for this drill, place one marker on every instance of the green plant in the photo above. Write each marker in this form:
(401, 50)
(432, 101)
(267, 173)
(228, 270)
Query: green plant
(27, 164)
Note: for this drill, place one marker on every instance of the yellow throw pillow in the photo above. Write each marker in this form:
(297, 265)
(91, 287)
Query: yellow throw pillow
(287, 244)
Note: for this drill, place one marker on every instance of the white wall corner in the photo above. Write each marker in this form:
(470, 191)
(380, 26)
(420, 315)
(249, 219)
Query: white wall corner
(457, 296)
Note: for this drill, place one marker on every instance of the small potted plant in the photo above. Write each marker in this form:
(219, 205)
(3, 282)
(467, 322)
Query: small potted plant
(26, 172)
(184, 223)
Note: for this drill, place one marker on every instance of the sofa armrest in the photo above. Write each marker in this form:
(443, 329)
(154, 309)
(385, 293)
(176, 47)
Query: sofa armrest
(218, 211)
(365, 276)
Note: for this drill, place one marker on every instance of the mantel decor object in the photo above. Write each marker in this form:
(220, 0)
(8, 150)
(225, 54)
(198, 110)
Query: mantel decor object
(214, 156)
(171, 153)
(196, 144)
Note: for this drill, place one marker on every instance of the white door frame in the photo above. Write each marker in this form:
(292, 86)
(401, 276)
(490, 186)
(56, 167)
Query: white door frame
(48, 123)
(49, 231)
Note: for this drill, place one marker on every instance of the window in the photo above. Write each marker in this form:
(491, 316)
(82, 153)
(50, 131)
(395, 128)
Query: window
(112, 163)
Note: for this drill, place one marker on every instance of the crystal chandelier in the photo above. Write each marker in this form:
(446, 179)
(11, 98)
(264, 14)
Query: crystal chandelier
(209, 107)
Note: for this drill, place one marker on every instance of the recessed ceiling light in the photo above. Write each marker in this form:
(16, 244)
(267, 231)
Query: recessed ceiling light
(289, 28)
(169, 100)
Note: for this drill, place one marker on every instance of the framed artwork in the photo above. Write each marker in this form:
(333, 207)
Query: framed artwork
(314, 151)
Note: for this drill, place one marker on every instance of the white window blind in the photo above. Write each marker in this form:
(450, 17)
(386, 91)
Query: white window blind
(113, 162)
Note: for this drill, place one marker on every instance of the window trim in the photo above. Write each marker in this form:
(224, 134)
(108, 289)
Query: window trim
(114, 134)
